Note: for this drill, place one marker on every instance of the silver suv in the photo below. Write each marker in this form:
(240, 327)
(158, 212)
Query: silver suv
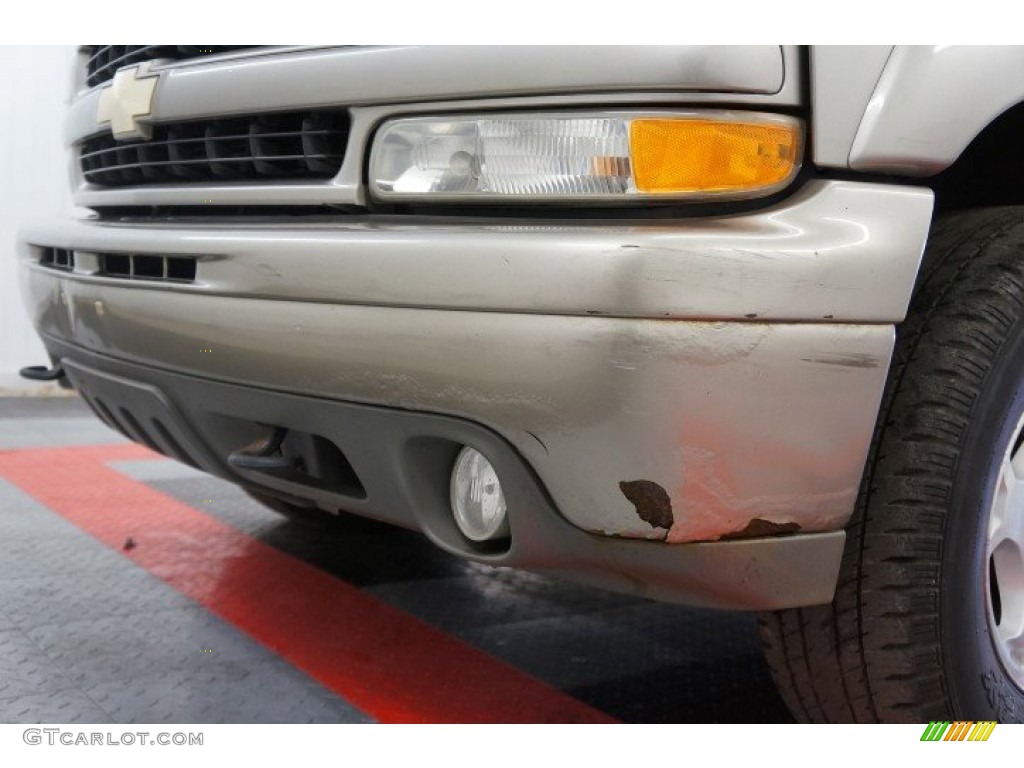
(652, 318)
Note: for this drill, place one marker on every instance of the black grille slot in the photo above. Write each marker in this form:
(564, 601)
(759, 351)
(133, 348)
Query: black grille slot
(57, 258)
(116, 265)
(151, 267)
(105, 60)
(181, 268)
(136, 432)
(147, 266)
(283, 146)
(130, 423)
(108, 416)
(170, 446)
(99, 409)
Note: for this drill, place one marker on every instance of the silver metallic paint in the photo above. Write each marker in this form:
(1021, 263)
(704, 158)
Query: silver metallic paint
(324, 77)
(441, 80)
(737, 361)
(842, 79)
(931, 101)
(834, 252)
(926, 104)
(735, 419)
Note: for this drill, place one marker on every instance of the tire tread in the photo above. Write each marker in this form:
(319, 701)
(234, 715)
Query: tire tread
(876, 655)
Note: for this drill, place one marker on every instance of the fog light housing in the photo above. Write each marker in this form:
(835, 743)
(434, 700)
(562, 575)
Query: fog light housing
(580, 157)
(477, 500)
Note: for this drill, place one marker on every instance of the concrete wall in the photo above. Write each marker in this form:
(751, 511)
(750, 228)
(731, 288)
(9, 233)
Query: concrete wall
(33, 181)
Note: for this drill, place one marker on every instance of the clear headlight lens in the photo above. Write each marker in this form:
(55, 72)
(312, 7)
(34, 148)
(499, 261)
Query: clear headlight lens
(517, 158)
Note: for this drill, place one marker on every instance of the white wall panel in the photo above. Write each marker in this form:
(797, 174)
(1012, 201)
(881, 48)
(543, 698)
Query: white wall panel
(33, 179)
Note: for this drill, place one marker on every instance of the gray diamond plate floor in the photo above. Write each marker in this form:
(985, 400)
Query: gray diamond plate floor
(87, 635)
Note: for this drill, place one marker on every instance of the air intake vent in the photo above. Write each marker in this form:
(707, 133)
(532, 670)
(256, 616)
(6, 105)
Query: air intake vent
(105, 60)
(139, 266)
(58, 258)
(280, 146)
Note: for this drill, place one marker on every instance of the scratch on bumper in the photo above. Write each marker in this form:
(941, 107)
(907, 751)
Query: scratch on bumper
(735, 420)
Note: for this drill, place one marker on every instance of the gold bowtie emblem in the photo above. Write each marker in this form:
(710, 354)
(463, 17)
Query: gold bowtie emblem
(128, 98)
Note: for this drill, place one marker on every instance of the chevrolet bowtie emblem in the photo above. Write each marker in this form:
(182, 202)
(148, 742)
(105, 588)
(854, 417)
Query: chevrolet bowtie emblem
(128, 97)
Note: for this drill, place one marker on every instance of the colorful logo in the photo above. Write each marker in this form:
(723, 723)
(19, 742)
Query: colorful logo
(958, 731)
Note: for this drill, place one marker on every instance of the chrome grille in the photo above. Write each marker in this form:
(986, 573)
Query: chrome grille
(298, 146)
(105, 60)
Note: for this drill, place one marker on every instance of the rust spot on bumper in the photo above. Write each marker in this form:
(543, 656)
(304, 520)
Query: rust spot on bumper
(759, 529)
(652, 503)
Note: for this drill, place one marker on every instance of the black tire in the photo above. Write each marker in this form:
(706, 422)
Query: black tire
(907, 638)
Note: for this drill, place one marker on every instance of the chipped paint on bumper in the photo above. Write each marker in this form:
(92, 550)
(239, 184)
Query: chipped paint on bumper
(747, 426)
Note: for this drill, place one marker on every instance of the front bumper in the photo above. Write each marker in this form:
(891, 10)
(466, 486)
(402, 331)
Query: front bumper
(735, 363)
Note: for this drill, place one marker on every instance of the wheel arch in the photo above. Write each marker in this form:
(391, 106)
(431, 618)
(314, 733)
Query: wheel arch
(931, 103)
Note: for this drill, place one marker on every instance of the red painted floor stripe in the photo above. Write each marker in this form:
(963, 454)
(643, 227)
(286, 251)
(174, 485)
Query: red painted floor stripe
(384, 661)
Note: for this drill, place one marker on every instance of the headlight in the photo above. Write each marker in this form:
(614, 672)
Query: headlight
(585, 158)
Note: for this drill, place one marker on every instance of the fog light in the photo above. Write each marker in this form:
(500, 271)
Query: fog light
(477, 500)
(581, 157)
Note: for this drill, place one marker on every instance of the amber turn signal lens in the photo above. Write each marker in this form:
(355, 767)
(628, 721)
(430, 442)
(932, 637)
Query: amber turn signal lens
(698, 156)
